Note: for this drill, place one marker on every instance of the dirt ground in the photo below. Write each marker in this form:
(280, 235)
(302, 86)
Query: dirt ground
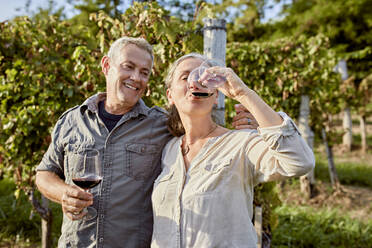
(354, 200)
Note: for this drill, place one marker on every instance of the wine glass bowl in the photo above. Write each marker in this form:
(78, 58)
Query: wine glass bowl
(205, 80)
(87, 182)
(87, 173)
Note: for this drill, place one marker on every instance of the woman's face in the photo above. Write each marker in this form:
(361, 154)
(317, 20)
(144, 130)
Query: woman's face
(181, 94)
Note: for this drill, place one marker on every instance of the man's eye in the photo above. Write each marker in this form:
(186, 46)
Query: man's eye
(127, 66)
(184, 77)
(145, 73)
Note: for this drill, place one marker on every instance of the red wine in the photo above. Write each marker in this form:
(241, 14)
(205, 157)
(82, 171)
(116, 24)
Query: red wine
(87, 182)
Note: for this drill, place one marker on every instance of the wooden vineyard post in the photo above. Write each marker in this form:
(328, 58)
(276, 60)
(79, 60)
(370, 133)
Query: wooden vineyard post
(258, 225)
(214, 37)
(307, 181)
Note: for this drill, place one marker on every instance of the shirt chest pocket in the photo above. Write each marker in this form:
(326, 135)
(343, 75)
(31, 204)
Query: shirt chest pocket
(214, 175)
(164, 196)
(140, 160)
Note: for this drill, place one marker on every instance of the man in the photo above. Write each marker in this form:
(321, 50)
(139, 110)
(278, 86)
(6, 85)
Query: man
(130, 138)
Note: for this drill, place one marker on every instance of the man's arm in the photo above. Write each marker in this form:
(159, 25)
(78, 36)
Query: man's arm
(72, 198)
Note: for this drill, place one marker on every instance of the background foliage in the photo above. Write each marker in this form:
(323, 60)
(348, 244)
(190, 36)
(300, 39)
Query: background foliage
(49, 64)
(281, 71)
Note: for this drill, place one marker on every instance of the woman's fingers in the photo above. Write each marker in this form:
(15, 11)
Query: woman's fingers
(234, 87)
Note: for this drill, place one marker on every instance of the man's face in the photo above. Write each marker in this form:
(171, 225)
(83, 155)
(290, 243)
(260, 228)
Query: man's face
(127, 76)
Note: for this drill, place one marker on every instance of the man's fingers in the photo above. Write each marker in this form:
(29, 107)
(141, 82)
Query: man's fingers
(240, 108)
(246, 127)
(76, 192)
(75, 199)
(243, 116)
(73, 209)
(75, 202)
(75, 216)
(244, 120)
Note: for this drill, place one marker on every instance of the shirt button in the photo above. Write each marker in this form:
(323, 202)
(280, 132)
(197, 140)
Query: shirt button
(103, 190)
(102, 216)
(142, 149)
(100, 239)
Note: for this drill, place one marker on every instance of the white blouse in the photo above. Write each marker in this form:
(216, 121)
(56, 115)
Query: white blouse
(211, 205)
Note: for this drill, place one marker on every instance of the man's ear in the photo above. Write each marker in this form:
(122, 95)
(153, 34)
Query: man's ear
(169, 96)
(105, 64)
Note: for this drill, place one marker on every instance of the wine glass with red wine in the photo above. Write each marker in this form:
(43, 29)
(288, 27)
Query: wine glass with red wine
(204, 80)
(87, 174)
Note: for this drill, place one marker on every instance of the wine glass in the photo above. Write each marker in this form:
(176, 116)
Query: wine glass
(87, 174)
(205, 80)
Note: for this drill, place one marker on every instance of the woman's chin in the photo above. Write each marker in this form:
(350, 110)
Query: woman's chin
(196, 109)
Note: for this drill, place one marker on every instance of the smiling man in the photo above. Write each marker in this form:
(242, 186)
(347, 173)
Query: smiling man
(129, 137)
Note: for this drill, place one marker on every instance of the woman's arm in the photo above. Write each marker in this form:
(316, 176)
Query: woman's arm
(236, 89)
(279, 151)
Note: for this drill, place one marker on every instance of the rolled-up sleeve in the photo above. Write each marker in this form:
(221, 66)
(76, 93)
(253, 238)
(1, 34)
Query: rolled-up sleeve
(280, 152)
(53, 159)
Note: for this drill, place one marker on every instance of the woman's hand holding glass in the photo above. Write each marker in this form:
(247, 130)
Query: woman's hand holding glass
(205, 80)
(212, 75)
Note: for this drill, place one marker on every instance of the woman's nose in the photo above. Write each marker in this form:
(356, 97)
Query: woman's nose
(193, 84)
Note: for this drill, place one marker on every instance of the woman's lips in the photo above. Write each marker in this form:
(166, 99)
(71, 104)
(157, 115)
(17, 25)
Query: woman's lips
(202, 94)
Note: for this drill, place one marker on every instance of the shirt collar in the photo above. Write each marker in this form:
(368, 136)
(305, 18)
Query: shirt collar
(92, 105)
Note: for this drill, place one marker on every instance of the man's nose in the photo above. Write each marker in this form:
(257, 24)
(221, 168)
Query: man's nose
(135, 75)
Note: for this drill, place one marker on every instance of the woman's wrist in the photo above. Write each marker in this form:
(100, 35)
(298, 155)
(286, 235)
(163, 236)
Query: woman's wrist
(244, 94)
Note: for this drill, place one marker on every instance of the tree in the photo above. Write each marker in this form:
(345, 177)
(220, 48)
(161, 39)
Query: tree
(86, 7)
(242, 16)
(346, 23)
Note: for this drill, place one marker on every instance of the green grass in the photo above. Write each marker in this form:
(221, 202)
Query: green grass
(18, 221)
(348, 173)
(302, 227)
(15, 214)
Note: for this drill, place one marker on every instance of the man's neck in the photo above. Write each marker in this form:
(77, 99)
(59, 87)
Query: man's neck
(117, 109)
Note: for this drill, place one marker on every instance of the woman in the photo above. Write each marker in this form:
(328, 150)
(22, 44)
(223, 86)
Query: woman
(204, 195)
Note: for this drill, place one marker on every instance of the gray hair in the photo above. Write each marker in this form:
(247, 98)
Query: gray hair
(172, 68)
(117, 45)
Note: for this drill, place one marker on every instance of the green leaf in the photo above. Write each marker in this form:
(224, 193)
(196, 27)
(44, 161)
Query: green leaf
(11, 74)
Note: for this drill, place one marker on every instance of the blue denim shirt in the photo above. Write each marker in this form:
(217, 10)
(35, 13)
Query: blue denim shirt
(131, 155)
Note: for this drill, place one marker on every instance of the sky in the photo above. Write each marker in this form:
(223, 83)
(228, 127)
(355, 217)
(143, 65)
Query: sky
(9, 8)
